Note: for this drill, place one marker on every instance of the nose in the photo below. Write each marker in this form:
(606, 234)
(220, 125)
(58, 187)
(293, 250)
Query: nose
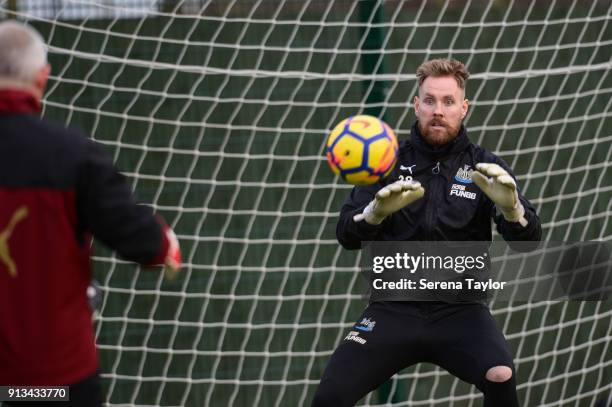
(438, 109)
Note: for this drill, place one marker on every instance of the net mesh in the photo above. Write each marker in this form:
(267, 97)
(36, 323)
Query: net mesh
(217, 112)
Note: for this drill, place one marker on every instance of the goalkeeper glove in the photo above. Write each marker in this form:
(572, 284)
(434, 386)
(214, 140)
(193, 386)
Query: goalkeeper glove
(172, 262)
(390, 199)
(501, 189)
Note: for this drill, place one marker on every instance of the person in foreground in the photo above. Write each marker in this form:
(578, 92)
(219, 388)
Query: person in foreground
(416, 202)
(57, 189)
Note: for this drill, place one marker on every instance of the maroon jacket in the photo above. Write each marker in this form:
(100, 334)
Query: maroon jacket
(57, 188)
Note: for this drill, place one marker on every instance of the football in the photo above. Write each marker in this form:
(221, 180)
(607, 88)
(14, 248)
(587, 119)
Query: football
(362, 149)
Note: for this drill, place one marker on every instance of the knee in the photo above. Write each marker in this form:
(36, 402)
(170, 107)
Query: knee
(499, 388)
(499, 374)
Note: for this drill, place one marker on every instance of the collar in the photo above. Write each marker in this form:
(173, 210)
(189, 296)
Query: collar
(458, 144)
(18, 101)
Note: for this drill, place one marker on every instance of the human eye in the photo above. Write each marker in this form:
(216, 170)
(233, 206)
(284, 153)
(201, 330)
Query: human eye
(449, 101)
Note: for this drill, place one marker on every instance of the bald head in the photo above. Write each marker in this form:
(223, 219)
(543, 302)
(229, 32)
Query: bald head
(23, 56)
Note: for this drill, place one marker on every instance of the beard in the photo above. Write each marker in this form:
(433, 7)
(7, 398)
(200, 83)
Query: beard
(438, 132)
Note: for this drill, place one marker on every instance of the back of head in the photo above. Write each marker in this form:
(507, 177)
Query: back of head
(22, 53)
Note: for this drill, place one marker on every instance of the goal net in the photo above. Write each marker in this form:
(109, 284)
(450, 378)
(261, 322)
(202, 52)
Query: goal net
(217, 112)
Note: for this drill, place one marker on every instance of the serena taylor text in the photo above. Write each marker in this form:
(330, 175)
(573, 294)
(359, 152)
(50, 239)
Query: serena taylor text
(424, 284)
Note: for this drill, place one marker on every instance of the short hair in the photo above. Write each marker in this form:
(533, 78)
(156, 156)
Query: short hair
(443, 67)
(22, 52)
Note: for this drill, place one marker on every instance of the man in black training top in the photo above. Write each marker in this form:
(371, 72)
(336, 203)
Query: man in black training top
(416, 203)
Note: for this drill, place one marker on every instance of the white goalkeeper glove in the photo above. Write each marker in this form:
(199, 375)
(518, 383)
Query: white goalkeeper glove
(501, 189)
(390, 199)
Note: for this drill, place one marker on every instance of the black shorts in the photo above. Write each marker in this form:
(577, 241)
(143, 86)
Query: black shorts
(86, 393)
(390, 336)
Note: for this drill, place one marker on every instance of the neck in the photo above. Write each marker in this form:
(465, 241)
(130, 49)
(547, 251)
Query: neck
(12, 84)
(17, 101)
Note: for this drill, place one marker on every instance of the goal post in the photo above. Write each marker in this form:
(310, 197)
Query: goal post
(217, 111)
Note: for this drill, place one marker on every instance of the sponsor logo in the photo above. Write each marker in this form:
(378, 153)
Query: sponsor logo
(459, 190)
(366, 325)
(464, 175)
(407, 168)
(354, 336)
(5, 253)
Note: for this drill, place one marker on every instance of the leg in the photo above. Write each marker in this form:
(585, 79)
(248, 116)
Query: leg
(87, 392)
(500, 385)
(474, 349)
(367, 357)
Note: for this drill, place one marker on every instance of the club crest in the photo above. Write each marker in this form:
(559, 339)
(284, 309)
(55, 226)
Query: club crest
(464, 175)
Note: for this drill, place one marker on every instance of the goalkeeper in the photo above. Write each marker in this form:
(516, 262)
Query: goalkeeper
(417, 202)
(57, 188)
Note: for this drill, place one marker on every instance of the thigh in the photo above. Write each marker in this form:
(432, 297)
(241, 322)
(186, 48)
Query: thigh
(87, 393)
(468, 343)
(377, 346)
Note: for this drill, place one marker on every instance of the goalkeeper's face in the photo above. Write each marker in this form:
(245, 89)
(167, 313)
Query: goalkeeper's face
(440, 109)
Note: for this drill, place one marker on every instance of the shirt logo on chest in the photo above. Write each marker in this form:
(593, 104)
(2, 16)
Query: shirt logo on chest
(459, 190)
(408, 168)
(464, 175)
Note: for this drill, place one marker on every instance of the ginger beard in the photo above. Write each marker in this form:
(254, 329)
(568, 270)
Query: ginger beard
(440, 109)
(438, 132)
